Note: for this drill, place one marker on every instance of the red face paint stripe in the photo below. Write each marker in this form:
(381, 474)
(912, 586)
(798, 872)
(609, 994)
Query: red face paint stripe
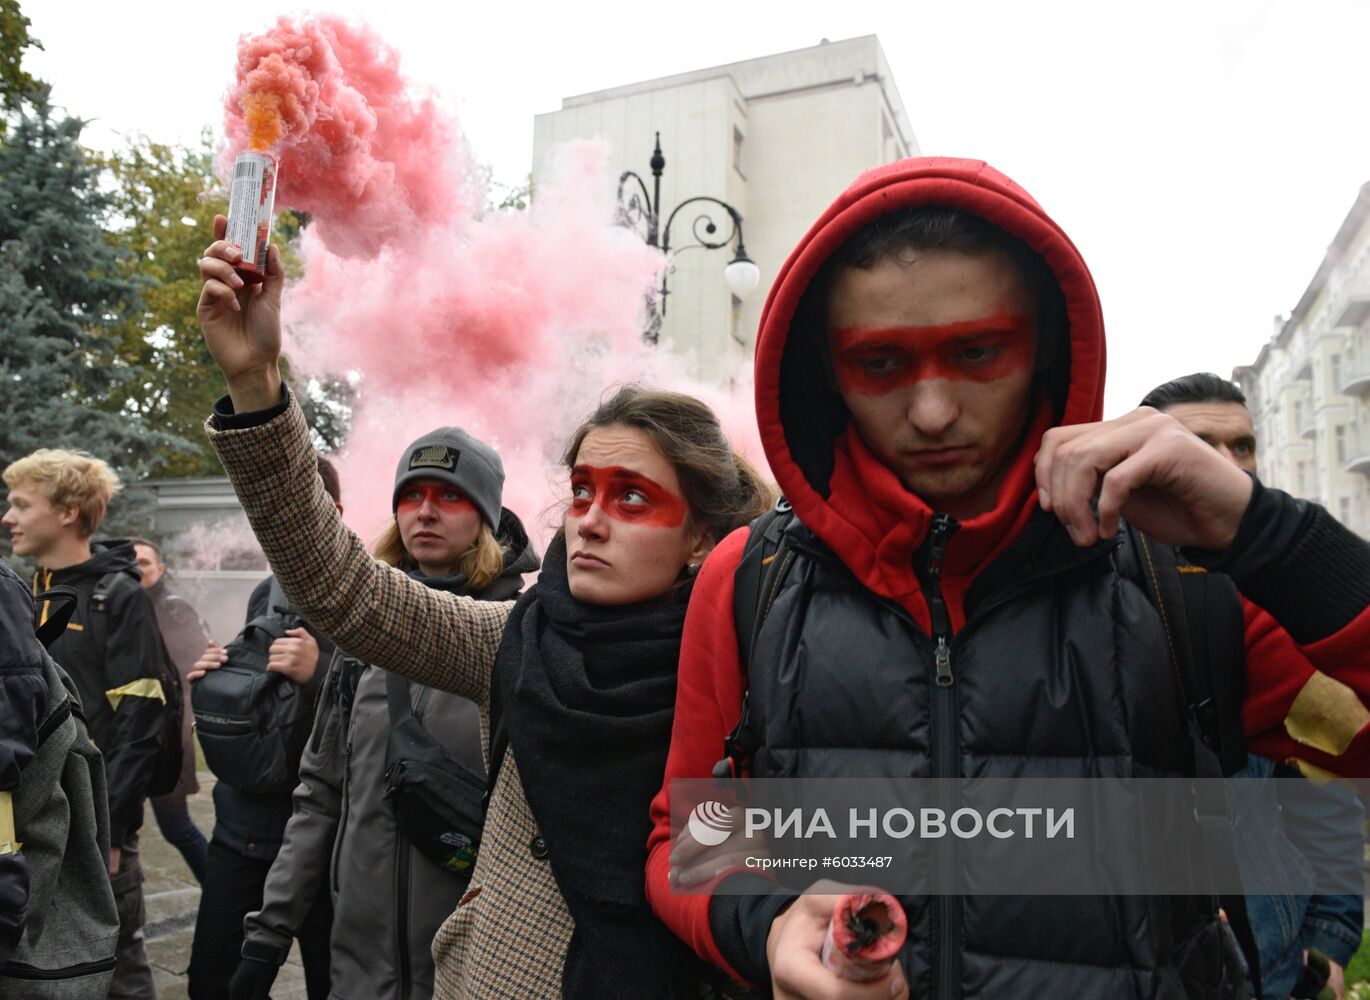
(440, 495)
(626, 496)
(874, 361)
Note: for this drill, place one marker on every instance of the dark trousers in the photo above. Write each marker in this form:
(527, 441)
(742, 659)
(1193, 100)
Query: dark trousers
(180, 831)
(132, 970)
(231, 890)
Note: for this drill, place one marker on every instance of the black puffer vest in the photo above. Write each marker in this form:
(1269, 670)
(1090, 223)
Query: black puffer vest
(1059, 671)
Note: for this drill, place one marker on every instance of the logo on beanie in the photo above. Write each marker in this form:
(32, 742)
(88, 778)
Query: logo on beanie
(435, 456)
(711, 823)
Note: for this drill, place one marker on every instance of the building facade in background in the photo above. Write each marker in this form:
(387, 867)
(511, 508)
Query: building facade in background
(209, 549)
(1309, 388)
(778, 138)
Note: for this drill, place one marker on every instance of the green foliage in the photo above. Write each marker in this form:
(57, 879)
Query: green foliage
(63, 297)
(163, 200)
(160, 214)
(15, 84)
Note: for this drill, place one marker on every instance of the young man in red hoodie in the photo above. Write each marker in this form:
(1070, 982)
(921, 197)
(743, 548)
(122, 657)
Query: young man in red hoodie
(929, 384)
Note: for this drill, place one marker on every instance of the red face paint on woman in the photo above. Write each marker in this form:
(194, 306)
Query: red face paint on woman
(625, 496)
(440, 495)
(873, 362)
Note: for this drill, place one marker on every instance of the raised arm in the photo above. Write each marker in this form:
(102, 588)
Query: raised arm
(372, 611)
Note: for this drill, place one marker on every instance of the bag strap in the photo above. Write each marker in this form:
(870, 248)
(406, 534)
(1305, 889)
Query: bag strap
(1161, 575)
(269, 623)
(63, 601)
(397, 697)
(99, 605)
(765, 562)
(758, 576)
(276, 599)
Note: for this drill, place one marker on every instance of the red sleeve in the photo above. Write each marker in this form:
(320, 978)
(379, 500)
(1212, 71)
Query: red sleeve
(1308, 702)
(708, 703)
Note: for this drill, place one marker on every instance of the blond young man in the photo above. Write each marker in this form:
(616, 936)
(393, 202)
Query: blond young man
(57, 500)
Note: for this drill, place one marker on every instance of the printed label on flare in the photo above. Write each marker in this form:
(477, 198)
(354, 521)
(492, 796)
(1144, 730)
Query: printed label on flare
(249, 208)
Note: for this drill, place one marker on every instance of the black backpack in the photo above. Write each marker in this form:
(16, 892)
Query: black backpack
(253, 724)
(61, 816)
(166, 773)
(1203, 621)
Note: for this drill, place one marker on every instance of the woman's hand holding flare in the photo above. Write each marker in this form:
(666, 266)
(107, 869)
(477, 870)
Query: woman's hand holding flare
(242, 323)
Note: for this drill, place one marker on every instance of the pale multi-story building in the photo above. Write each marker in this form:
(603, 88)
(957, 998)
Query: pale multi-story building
(1309, 388)
(776, 137)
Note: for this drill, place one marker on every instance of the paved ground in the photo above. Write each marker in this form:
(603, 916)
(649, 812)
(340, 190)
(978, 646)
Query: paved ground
(172, 899)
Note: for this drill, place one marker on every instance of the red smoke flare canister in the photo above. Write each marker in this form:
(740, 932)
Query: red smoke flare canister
(249, 212)
(866, 932)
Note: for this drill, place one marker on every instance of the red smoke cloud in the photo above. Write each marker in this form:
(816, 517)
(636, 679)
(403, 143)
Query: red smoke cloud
(512, 324)
(365, 157)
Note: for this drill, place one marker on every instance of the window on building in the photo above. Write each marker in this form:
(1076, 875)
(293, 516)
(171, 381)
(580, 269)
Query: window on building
(1336, 373)
(1344, 510)
(738, 140)
(735, 319)
(1341, 444)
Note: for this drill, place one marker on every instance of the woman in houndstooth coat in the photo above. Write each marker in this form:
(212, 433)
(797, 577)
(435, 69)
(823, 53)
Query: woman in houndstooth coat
(580, 671)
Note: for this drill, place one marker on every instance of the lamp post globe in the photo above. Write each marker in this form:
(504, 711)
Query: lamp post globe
(640, 208)
(742, 275)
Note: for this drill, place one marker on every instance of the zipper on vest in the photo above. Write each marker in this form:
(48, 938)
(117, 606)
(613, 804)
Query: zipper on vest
(20, 970)
(946, 759)
(942, 529)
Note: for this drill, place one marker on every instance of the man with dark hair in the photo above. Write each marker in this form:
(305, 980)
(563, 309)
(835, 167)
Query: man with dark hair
(1322, 827)
(250, 827)
(953, 600)
(111, 649)
(1200, 387)
(1214, 409)
(185, 636)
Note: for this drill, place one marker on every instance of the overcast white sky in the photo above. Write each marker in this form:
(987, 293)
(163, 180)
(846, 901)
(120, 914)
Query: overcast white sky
(1201, 154)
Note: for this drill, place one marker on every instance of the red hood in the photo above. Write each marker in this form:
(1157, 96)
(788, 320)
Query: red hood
(839, 490)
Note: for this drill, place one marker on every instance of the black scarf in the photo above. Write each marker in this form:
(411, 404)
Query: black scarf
(587, 696)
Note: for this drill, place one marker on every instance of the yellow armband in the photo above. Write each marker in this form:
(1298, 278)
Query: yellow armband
(143, 687)
(8, 845)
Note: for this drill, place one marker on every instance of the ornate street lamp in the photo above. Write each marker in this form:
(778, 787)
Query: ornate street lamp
(642, 212)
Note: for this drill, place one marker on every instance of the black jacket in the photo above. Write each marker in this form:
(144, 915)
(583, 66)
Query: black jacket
(252, 824)
(114, 658)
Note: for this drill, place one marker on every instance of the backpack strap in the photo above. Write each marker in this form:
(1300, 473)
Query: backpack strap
(765, 561)
(276, 599)
(99, 608)
(397, 698)
(62, 601)
(1160, 572)
(104, 588)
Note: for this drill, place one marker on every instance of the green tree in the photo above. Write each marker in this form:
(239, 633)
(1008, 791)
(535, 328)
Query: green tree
(15, 84)
(62, 297)
(161, 205)
(163, 199)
